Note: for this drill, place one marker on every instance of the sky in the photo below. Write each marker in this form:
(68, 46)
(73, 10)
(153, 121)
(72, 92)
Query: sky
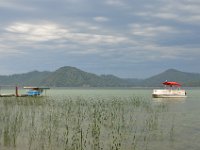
(126, 38)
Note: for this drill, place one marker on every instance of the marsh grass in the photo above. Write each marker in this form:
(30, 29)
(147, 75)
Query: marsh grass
(82, 123)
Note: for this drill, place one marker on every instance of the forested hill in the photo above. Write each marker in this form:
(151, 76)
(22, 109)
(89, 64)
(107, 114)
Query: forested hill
(64, 77)
(73, 77)
(186, 79)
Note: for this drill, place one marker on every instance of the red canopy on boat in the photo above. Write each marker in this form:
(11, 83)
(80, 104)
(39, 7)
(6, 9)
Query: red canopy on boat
(170, 83)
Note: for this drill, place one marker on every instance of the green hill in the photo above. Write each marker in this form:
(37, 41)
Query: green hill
(73, 77)
(31, 78)
(187, 79)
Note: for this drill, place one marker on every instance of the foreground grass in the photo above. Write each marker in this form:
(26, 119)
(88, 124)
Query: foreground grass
(83, 123)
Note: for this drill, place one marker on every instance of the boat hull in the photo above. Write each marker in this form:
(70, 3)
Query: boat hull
(168, 93)
(168, 96)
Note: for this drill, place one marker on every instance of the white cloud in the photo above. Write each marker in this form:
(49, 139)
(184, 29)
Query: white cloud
(50, 37)
(72, 40)
(101, 19)
(78, 26)
(69, 40)
(166, 15)
(15, 6)
(8, 50)
(148, 30)
(186, 11)
(183, 11)
(157, 53)
(115, 2)
(36, 32)
(50, 31)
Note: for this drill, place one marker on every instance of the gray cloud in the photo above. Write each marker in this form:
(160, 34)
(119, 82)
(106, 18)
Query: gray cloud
(107, 35)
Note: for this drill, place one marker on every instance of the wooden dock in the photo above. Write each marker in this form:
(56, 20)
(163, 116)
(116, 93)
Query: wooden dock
(7, 95)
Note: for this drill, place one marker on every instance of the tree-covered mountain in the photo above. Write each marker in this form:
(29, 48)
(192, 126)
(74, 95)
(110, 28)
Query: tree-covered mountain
(30, 78)
(73, 77)
(186, 79)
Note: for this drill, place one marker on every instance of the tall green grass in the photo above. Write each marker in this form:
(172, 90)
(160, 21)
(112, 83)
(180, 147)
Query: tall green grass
(115, 123)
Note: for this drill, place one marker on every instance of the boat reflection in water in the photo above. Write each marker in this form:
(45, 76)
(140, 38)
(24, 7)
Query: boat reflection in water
(170, 100)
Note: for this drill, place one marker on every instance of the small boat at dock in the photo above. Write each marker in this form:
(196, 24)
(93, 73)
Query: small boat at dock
(172, 90)
(35, 91)
(31, 91)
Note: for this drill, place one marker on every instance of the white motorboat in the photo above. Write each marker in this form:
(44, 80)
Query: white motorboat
(172, 90)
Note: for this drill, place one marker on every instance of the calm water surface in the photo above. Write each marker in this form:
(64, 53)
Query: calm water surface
(107, 119)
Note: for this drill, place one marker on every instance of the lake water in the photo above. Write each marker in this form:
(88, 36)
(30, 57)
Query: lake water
(90, 119)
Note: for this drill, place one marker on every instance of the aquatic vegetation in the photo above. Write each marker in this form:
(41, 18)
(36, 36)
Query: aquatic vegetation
(82, 123)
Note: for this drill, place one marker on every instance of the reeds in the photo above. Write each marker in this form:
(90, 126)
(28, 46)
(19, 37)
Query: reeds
(80, 123)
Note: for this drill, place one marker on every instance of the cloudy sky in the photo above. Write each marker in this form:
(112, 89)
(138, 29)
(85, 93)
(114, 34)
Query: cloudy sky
(127, 38)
